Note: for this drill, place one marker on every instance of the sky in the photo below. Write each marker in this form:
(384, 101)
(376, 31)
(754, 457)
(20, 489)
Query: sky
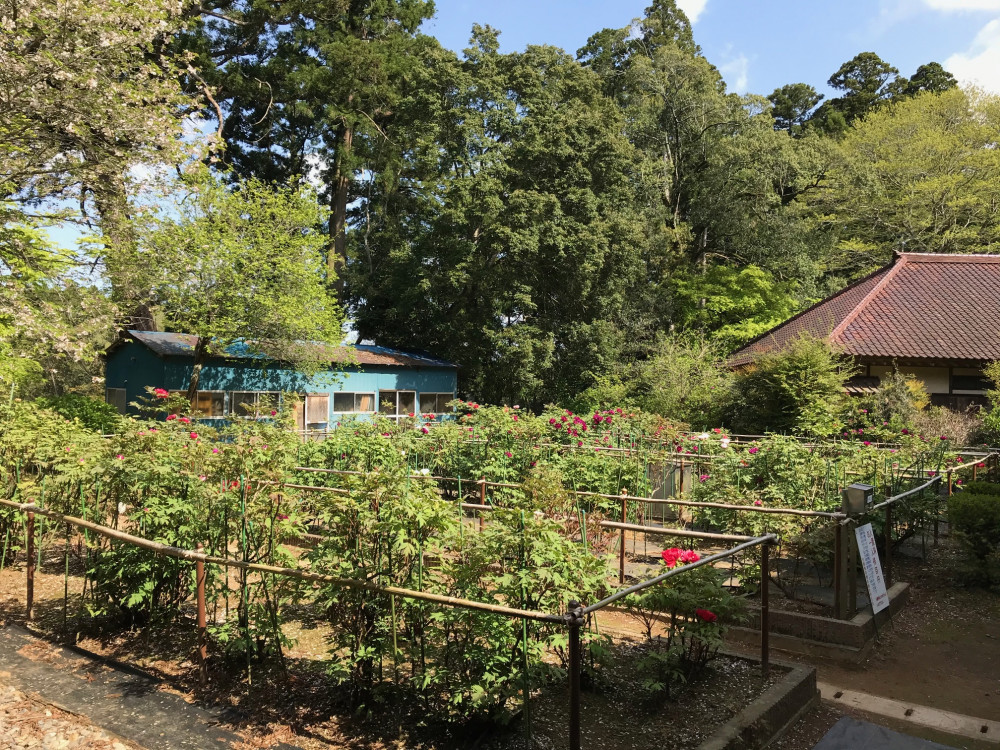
(759, 45)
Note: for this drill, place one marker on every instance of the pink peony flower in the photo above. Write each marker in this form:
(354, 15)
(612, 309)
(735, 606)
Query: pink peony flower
(758, 503)
(689, 556)
(193, 435)
(160, 392)
(184, 420)
(171, 416)
(120, 457)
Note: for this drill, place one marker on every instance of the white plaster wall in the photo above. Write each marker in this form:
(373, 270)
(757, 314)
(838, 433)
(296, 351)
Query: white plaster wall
(935, 379)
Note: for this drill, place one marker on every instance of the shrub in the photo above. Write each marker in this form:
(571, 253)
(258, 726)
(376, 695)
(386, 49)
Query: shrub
(686, 380)
(798, 390)
(982, 488)
(92, 413)
(693, 609)
(975, 518)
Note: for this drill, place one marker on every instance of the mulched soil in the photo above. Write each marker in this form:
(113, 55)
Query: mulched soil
(27, 723)
(942, 650)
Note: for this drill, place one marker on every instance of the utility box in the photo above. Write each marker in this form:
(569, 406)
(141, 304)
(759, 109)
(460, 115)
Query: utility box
(858, 498)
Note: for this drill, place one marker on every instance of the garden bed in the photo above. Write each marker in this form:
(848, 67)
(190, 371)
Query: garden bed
(301, 707)
(617, 713)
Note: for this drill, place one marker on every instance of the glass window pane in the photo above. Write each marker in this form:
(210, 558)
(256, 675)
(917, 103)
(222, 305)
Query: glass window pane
(407, 402)
(364, 401)
(116, 397)
(387, 402)
(318, 409)
(243, 404)
(343, 402)
(443, 400)
(210, 403)
(428, 403)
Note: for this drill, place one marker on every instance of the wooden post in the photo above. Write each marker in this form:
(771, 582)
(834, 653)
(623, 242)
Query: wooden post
(30, 564)
(680, 489)
(765, 612)
(621, 552)
(838, 583)
(888, 545)
(851, 547)
(482, 491)
(202, 619)
(975, 470)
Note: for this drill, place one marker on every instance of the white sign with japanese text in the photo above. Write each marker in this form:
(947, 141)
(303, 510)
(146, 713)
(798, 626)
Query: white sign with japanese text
(872, 567)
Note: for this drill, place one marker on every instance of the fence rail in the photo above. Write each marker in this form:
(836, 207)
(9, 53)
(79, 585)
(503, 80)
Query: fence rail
(573, 619)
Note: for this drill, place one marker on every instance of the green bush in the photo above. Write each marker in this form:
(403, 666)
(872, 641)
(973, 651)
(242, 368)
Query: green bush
(982, 488)
(975, 517)
(90, 412)
(799, 390)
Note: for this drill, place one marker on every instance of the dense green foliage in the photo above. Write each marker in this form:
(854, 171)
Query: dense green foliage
(542, 219)
(975, 517)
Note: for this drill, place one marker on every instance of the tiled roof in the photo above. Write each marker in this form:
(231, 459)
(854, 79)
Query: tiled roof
(923, 307)
(183, 344)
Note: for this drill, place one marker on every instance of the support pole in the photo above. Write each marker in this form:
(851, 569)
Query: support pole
(851, 548)
(839, 605)
(199, 567)
(621, 550)
(574, 619)
(482, 491)
(765, 611)
(888, 545)
(30, 563)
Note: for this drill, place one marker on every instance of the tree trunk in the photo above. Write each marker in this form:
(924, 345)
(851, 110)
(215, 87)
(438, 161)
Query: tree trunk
(337, 257)
(200, 355)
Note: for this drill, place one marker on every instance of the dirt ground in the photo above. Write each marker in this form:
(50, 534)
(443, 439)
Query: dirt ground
(942, 650)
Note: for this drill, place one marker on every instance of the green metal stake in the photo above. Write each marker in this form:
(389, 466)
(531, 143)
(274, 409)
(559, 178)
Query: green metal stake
(524, 637)
(6, 541)
(65, 577)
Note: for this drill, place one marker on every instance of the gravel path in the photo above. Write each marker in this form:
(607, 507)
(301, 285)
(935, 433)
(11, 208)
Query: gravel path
(28, 723)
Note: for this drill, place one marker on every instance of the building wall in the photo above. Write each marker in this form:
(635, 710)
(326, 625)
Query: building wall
(935, 379)
(947, 386)
(133, 367)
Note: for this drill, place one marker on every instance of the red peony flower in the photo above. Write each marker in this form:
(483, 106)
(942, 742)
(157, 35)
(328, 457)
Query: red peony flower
(161, 392)
(705, 615)
(171, 416)
(671, 556)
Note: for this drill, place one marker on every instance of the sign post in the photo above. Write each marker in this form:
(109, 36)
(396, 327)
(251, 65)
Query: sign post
(877, 593)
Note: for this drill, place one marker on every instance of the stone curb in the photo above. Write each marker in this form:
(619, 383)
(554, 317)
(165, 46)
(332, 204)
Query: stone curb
(761, 722)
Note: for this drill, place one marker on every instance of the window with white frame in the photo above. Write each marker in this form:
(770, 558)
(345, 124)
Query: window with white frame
(252, 404)
(435, 403)
(210, 403)
(116, 397)
(352, 403)
(396, 404)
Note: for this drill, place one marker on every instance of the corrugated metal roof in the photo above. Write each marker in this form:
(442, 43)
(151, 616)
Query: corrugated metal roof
(183, 344)
(925, 306)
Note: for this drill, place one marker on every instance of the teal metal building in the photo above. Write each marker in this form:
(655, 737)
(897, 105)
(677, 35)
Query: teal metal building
(360, 381)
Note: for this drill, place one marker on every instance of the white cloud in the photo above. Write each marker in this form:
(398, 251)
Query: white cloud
(692, 8)
(736, 72)
(963, 5)
(980, 63)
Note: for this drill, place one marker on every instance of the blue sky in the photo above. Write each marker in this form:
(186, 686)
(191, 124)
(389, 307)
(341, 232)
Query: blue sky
(762, 44)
